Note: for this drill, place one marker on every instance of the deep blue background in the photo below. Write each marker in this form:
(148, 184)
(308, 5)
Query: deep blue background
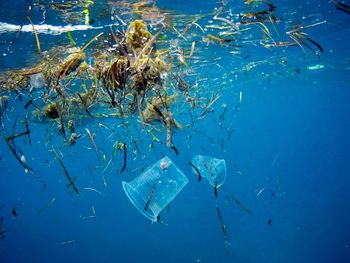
(291, 134)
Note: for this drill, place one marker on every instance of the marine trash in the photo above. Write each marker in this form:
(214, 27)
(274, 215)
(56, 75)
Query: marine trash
(66, 174)
(234, 201)
(224, 230)
(155, 188)
(37, 81)
(212, 169)
(342, 6)
(315, 67)
(148, 79)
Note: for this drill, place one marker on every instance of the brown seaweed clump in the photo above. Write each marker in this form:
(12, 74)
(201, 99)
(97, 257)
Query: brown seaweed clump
(138, 35)
(52, 111)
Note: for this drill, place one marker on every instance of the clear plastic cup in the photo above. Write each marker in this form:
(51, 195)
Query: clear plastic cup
(212, 169)
(155, 188)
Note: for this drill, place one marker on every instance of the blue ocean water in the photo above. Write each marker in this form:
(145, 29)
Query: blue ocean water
(281, 123)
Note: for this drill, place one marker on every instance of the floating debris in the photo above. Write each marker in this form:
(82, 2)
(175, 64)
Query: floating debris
(206, 109)
(19, 159)
(46, 206)
(267, 189)
(69, 178)
(342, 7)
(66, 242)
(144, 75)
(93, 215)
(315, 67)
(94, 190)
(231, 198)
(36, 36)
(224, 230)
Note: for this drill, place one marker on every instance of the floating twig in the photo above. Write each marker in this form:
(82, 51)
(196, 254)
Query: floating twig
(70, 180)
(94, 190)
(224, 230)
(36, 36)
(12, 149)
(91, 137)
(49, 204)
(231, 198)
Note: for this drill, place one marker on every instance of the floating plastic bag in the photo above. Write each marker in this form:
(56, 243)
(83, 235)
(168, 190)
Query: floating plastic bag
(155, 188)
(214, 170)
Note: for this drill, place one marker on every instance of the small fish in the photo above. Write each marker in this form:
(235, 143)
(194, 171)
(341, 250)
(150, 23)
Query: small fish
(124, 160)
(221, 144)
(14, 212)
(216, 190)
(270, 222)
(181, 84)
(176, 151)
(158, 111)
(28, 103)
(151, 193)
(196, 169)
(221, 117)
(60, 116)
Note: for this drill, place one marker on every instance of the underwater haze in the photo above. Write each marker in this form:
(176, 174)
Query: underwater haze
(248, 99)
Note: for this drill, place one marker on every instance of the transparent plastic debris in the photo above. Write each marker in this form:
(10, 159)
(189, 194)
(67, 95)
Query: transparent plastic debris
(155, 188)
(37, 81)
(212, 169)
